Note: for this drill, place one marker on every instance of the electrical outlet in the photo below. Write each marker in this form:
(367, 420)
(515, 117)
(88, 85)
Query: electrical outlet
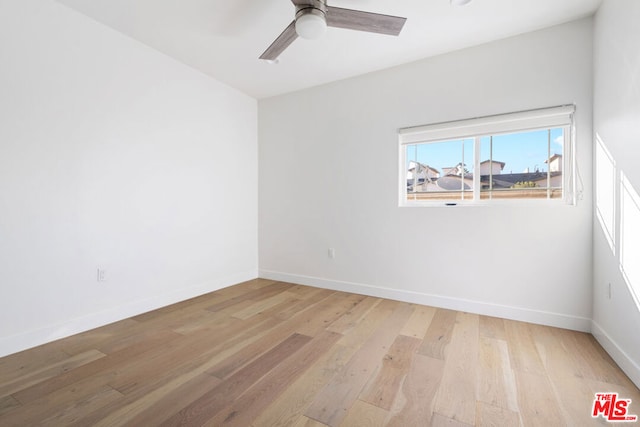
(331, 253)
(102, 275)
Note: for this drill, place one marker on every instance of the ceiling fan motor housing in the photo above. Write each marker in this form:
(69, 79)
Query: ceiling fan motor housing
(313, 6)
(311, 19)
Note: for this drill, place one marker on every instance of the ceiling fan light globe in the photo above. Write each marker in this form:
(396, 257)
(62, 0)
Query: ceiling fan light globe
(311, 26)
(459, 2)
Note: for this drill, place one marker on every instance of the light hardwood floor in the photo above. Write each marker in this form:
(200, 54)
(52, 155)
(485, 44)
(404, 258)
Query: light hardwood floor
(266, 353)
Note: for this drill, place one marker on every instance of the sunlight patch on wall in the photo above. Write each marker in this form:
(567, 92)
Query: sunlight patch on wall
(606, 191)
(630, 236)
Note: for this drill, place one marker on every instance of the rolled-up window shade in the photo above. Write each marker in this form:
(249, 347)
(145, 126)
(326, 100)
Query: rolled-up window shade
(489, 125)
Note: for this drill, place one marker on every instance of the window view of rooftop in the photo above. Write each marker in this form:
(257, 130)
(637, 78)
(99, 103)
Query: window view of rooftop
(517, 165)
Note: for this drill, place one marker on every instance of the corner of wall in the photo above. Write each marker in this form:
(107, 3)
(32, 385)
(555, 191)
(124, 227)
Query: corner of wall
(616, 351)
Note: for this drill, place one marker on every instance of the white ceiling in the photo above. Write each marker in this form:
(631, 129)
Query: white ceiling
(223, 38)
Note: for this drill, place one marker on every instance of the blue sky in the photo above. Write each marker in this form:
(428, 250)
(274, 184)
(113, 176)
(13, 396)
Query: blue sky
(519, 151)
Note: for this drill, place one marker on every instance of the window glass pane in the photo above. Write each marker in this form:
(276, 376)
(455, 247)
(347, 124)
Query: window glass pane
(522, 165)
(440, 170)
(490, 157)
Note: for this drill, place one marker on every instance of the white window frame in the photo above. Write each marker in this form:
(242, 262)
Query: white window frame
(476, 128)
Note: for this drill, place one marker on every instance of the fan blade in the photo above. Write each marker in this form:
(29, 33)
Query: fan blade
(302, 2)
(281, 43)
(364, 21)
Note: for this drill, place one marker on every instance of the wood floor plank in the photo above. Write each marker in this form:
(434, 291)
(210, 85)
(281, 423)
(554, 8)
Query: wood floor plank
(565, 375)
(348, 320)
(419, 322)
(496, 384)
(26, 362)
(259, 283)
(212, 402)
(591, 359)
(158, 410)
(439, 420)
(100, 337)
(363, 414)
(492, 327)
(203, 320)
(185, 309)
(306, 302)
(355, 336)
(522, 349)
(415, 399)
(202, 301)
(438, 334)
(306, 292)
(305, 323)
(552, 352)
(303, 421)
(332, 403)
(158, 363)
(253, 295)
(105, 365)
(299, 396)
(382, 390)
(134, 334)
(8, 403)
(66, 415)
(326, 312)
(66, 401)
(264, 304)
(493, 416)
(292, 305)
(577, 397)
(249, 405)
(286, 409)
(457, 395)
(36, 376)
(183, 321)
(536, 400)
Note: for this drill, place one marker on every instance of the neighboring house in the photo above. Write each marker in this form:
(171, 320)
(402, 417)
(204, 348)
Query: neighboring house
(456, 170)
(424, 171)
(555, 163)
(424, 174)
(492, 167)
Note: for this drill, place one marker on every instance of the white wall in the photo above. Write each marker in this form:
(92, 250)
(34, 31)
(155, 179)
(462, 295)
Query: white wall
(616, 121)
(113, 155)
(328, 178)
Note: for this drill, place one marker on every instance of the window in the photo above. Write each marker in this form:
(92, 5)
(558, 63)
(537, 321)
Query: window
(517, 156)
(629, 232)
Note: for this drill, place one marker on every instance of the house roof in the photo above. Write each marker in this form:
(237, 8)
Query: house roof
(424, 166)
(452, 183)
(552, 158)
(494, 161)
(509, 179)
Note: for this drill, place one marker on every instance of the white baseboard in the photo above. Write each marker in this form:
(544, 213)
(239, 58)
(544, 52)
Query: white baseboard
(15, 343)
(559, 320)
(627, 364)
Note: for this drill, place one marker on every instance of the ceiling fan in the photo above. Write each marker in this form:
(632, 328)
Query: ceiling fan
(314, 16)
